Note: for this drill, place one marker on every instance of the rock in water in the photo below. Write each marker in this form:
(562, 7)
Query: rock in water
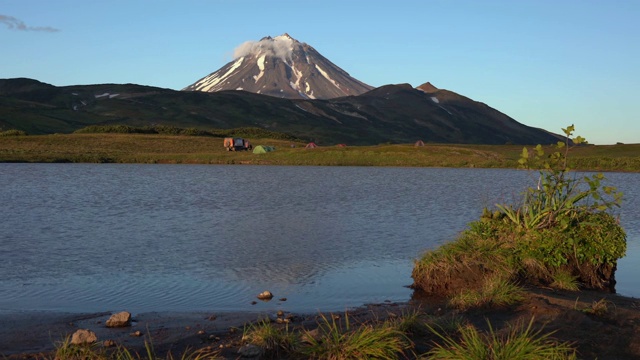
(121, 319)
(83, 336)
(265, 295)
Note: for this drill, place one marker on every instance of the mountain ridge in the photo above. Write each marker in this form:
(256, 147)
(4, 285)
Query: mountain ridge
(390, 113)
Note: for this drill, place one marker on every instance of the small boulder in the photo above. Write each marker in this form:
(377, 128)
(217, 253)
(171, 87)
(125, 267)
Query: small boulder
(265, 295)
(121, 319)
(250, 351)
(109, 343)
(83, 336)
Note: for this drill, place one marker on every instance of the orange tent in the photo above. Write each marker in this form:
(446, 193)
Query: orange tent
(311, 145)
(419, 143)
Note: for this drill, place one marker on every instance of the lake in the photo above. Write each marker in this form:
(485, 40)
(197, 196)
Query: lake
(111, 237)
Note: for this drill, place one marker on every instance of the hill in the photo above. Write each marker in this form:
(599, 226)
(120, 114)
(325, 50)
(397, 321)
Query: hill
(392, 113)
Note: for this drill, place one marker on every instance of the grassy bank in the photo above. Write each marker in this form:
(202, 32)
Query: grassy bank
(173, 149)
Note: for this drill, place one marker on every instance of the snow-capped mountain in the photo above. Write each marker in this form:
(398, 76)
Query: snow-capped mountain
(281, 67)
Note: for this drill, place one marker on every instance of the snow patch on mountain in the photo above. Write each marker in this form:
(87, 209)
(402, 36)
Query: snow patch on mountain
(326, 76)
(212, 80)
(260, 64)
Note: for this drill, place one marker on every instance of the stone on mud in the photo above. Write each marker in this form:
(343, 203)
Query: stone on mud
(121, 319)
(83, 336)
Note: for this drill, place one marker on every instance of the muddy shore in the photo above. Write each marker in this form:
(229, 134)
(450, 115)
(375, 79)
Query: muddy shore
(613, 332)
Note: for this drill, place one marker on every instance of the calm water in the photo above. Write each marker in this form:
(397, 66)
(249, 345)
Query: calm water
(108, 237)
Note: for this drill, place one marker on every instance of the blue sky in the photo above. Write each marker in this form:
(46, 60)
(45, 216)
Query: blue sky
(545, 63)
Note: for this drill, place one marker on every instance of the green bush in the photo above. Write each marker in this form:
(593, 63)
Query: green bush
(562, 229)
(245, 132)
(13, 132)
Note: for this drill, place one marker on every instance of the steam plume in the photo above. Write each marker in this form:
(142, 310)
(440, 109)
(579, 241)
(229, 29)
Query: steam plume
(15, 24)
(281, 46)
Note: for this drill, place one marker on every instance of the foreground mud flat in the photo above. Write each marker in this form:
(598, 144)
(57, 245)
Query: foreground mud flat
(599, 325)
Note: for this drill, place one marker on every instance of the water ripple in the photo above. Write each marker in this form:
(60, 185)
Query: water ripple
(86, 237)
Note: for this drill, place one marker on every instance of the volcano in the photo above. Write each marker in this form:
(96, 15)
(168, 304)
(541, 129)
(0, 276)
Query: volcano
(281, 67)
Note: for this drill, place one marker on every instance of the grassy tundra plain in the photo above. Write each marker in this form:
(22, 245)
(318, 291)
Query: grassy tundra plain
(177, 149)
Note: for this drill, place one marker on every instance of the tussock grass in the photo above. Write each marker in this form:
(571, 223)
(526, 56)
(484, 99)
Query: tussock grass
(597, 308)
(273, 341)
(563, 280)
(336, 340)
(496, 291)
(436, 269)
(412, 323)
(65, 350)
(519, 342)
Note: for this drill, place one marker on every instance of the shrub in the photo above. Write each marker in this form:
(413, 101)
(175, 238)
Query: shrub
(561, 226)
(13, 132)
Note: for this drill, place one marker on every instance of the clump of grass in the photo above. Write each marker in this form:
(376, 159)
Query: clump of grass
(447, 324)
(337, 340)
(65, 350)
(598, 308)
(410, 323)
(496, 291)
(272, 340)
(519, 342)
(437, 270)
(563, 280)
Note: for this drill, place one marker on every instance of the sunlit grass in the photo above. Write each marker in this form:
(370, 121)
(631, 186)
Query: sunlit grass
(337, 340)
(497, 291)
(563, 280)
(520, 342)
(152, 148)
(274, 341)
(65, 350)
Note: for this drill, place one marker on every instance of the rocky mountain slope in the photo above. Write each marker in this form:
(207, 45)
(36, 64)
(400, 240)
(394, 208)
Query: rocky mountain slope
(281, 67)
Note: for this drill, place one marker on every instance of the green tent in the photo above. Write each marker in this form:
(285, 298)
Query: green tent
(261, 149)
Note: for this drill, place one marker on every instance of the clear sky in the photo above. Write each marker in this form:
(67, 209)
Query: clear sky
(546, 63)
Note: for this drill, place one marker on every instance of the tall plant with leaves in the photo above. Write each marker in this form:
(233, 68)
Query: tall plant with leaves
(560, 195)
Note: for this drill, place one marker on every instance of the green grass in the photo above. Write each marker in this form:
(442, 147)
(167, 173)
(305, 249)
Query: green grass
(519, 342)
(65, 350)
(497, 291)
(563, 280)
(597, 308)
(177, 149)
(274, 341)
(336, 340)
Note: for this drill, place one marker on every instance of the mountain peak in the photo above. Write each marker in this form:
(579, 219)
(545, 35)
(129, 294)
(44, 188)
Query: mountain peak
(427, 87)
(281, 67)
(286, 35)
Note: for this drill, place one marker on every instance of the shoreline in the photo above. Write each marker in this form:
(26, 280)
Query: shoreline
(612, 333)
